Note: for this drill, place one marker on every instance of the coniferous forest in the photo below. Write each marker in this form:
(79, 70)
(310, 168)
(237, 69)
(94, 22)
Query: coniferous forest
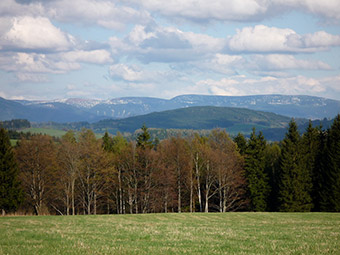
(80, 174)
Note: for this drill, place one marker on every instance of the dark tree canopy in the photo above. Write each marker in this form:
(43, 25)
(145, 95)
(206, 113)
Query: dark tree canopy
(258, 182)
(330, 194)
(10, 190)
(294, 179)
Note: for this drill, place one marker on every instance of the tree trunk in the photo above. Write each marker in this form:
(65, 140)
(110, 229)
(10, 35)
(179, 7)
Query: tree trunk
(130, 201)
(72, 197)
(191, 190)
(95, 203)
(166, 203)
(224, 199)
(198, 183)
(67, 204)
(136, 198)
(206, 209)
(207, 188)
(120, 191)
(179, 194)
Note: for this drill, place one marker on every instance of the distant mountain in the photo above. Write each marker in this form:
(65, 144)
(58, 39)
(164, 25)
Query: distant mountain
(43, 112)
(91, 110)
(234, 120)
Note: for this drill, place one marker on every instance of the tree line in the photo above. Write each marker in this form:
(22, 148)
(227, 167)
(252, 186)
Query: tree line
(80, 174)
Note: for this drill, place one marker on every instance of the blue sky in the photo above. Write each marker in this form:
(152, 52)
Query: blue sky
(105, 49)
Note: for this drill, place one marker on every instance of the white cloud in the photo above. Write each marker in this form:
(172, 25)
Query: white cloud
(328, 9)
(27, 65)
(234, 10)
(100, 12)
(265, 85)
(13, 8)
(271, 39)
(33, 33)
(222, 63)
(41, 63)
(201, 10)
(105, 13)
(93, 56)
(165, 44)
(124, 72)
(31, 77)
(284, 62)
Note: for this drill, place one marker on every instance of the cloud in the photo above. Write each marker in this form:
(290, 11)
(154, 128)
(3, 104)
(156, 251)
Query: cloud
(222, 64)
(104, 13)
(10, 8)
(30, 66)
(32, 46)
(234, 10)
(93, 56)
(241, 86)
(202, 11)
(137, 74)
(328, 10)
(284, 62)
(31, 77)
(124, 72)
(271, 39)
(165, 44)
(27, 33)
(273, 64)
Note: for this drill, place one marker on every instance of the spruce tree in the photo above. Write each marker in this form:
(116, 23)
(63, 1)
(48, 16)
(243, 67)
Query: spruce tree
(310, 149)
(10, 190)
(107, 142)
(144, 139)
(330, 195)
(272, 157)
(294, 179)
(319, 194)
(258, 182)
(241, 142)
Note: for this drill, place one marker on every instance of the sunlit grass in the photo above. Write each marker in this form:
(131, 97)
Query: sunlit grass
(45, 131)
(230, 233)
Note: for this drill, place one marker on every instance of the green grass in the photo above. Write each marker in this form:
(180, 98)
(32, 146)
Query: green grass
(45, 131)
(230, 233)
(52, 132)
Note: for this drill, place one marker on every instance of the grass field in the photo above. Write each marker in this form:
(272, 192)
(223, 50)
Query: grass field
(45, 131)
(230, 233)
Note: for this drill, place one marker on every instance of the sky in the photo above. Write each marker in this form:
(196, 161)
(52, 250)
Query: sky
(102, 49)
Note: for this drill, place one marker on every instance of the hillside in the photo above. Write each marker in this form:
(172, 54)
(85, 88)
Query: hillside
(90, 110)
(232, 119)
(43, 112)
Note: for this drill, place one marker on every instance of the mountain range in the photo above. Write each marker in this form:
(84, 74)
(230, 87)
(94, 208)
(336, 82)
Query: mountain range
(234, 120)
(92, 110)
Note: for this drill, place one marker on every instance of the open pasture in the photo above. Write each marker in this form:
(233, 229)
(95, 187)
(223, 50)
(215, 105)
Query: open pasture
(198, 233)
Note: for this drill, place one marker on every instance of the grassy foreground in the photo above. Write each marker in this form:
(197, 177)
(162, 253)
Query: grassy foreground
(229, 233)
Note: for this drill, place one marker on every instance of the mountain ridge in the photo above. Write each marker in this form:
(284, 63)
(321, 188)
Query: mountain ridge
(92, 110)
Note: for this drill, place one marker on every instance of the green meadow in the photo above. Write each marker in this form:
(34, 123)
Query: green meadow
(45, 131)
(213, 233)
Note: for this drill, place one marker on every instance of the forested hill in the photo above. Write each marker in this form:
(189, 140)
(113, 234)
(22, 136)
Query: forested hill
(91, 110)
(208, 117)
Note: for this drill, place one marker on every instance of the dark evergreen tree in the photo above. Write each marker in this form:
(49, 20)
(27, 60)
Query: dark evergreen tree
(10, 190)
(319, 173)
(330, 195)
(241, 142)
(144, 139)
(309, 150)
(107, 142)
(272, 159)
(294, 179)
(258, 182)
